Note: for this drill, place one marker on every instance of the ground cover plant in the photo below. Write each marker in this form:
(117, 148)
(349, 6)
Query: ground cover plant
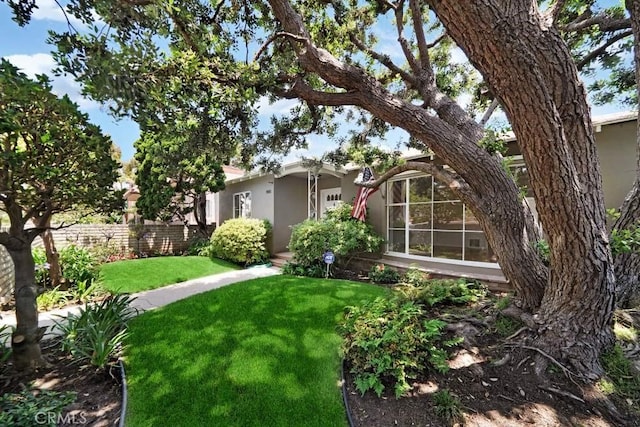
(137, 275)
(261, 352)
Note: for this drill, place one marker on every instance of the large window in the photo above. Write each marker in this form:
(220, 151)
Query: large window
(242, 205)
(426, 219)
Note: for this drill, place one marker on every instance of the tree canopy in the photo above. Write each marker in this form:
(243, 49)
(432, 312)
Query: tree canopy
(52, 160)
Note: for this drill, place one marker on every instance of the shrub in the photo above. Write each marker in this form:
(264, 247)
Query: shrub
(241, 240)
(338, 232)
(199, 246)
(78, 264)
(447, 406)
(27, 407)
(389, 338)
(381, 273)
(105, 253)
(443, 291)
(53, 298)
(97, 332)
(413, 276)
(294, 269)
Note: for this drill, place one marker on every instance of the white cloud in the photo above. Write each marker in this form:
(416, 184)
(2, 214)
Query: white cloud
(278, 108)
(43, 63)
(48, 10)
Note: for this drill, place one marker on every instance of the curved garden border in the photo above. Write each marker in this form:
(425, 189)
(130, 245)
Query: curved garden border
(123, 406)
(345, 400)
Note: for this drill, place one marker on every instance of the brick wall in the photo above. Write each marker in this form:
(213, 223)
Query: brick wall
(150, 238)
(6, 275)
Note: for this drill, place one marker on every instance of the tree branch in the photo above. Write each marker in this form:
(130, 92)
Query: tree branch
(411, 59)
(273, 37)
(300, 89)
(602, 20)
(423, 48)
(600, 50)
(554, 11)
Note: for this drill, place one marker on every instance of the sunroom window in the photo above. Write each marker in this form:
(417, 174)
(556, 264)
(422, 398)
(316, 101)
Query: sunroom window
(425, 219)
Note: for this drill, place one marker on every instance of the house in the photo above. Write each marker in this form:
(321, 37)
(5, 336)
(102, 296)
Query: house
(431, 229)
(132, 194)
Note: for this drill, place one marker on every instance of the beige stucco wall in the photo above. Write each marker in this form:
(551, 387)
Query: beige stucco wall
(290, 198)
(262, 200)
(617, 152)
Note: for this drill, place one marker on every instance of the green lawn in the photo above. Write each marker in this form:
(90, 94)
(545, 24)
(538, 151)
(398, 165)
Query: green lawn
(257, 353)
(137, 275)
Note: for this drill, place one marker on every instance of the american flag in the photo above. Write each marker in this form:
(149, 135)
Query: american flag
(359, 210)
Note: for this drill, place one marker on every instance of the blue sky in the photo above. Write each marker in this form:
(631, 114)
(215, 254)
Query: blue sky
(26, 48)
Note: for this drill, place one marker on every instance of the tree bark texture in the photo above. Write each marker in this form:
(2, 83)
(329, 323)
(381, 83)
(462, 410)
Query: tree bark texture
(25, 340)
(481, 180)
(530, 69)
(627, 265)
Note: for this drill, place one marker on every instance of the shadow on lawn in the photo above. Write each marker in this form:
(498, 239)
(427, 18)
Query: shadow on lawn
(263, 352)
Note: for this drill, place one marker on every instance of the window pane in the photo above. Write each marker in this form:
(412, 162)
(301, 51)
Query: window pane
(396, 241)
(441, 192)
(420, 216)
(447, 216)
(398, 193)
(470, 220)
(447, 244)
(420, 189)
(420, 243)
(396, 216)
(477, 248)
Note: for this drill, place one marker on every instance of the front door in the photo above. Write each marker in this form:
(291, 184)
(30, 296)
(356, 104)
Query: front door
(329, 198)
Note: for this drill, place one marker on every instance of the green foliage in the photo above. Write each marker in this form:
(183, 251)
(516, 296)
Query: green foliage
(506, 326)
(107, 252)
(96, 334)
(241, 240)
(53, 159)
(5, 341)
(315, 270)
(502, 303)
(337, 232)
(200, 247)
(543, 250)
(415, 276)
(493, 142)
(624, 381)
(392, 339)
(53, 298)
(443, 292)
(42, 267)
(626, 240)
(447, 406)
(33, 407)
(187, 158)
(381, 273)
(78, 264)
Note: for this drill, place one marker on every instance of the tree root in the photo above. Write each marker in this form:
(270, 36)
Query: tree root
(561, 392)
(568, 373)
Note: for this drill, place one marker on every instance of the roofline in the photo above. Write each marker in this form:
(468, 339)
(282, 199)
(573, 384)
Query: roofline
(287, 169)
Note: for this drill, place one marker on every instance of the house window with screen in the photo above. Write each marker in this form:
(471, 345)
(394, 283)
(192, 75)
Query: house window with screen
(425, 219)
(242, 205)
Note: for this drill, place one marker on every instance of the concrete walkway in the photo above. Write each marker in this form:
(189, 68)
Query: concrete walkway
(148, 300)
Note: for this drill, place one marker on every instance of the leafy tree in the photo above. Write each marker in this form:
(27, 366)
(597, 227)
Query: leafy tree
(330, 56)
(52, 160)
(175, 172)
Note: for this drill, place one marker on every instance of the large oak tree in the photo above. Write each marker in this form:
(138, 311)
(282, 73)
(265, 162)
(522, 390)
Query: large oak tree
(329, 55)
(52, 160)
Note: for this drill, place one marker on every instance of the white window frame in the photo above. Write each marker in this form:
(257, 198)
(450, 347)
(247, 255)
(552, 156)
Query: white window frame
(405, 254)
(245, 210)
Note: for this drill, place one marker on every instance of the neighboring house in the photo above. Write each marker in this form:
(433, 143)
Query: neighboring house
(422, 221)
(132, 194)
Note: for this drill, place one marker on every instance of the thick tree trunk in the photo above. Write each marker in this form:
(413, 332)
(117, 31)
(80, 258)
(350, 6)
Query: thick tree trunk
(531, 71)
(627, 265)
(26, 338)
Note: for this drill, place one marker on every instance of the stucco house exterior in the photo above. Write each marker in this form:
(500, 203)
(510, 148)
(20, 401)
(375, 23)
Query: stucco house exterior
(422, 221)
